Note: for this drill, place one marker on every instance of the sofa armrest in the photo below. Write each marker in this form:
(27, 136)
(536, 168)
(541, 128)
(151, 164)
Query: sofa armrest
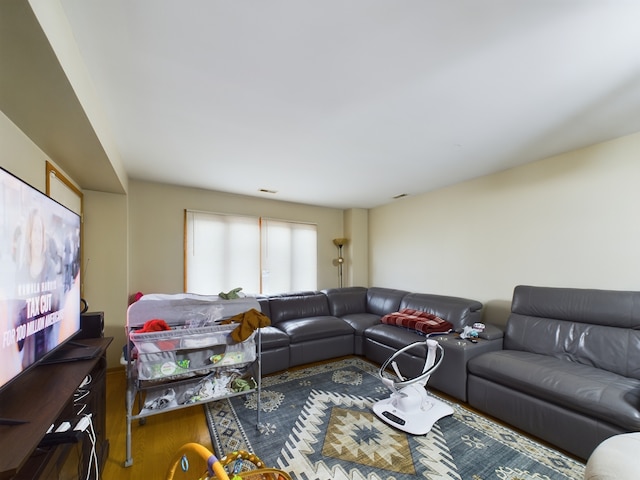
(491, 332)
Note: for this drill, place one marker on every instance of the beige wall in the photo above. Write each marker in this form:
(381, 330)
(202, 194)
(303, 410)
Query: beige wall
(20, 156)
(156, 226)
(355, 253)
(571, 220)
(105, 269)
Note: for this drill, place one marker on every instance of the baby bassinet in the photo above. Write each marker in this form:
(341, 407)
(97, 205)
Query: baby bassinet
(195, 362)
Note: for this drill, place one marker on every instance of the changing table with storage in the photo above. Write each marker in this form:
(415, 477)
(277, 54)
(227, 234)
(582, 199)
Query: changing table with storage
(194, 362)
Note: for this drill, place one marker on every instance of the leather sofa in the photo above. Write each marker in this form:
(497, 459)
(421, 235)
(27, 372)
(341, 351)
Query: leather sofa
(319, 325)
(569, 372)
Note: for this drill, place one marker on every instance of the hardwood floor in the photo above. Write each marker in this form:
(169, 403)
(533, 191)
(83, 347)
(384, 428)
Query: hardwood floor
(154, 443)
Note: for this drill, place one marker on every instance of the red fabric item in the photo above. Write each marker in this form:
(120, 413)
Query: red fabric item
(154, 325)
(417, 320)
(158, 325)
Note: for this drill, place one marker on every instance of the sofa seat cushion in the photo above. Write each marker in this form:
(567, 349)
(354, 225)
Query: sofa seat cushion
(314, 328)
(396, 338)
(589, 390)
(273, 337)
(361, 321)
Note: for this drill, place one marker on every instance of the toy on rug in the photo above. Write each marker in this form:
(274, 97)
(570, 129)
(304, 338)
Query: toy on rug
(249, 321)
(193, 459)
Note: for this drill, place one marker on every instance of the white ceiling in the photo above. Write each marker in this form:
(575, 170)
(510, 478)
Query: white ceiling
(349, 103)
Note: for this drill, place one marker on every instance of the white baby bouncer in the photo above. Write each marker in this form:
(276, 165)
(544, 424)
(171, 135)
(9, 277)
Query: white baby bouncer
(410, 408)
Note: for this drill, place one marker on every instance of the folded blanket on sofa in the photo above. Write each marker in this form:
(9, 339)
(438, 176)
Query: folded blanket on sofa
(418, 320)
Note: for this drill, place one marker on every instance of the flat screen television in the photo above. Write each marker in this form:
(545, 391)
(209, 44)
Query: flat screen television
(39, 277)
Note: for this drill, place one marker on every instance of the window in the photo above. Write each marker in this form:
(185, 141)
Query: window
(266, 256)
(289, 256)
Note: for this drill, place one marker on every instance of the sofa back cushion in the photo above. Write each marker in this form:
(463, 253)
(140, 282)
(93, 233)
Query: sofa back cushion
(264, 305)
(286, 307)
(600, 328)
(418, 321)
(381, 301)
(459, 311)
(347, 300)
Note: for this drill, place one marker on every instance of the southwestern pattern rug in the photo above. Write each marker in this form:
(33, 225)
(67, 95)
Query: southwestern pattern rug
(317, 424)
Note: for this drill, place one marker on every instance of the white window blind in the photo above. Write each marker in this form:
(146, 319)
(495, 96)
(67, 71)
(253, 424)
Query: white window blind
(289, 256)
(223, 252)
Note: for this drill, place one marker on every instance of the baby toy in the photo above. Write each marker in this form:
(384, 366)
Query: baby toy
(410, 408)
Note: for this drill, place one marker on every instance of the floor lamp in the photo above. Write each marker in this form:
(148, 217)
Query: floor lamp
(340, 242)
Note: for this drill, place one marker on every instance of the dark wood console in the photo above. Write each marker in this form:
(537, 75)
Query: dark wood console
(45, 396)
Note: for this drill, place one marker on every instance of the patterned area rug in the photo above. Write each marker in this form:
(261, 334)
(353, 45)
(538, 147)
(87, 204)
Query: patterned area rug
(317, 423)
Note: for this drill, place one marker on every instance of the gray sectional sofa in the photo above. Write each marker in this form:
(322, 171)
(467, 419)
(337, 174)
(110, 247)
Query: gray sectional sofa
(566, 370)
(569, 372)
(319, 325)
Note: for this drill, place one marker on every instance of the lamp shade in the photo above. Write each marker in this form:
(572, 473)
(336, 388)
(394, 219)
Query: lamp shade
(339, 242)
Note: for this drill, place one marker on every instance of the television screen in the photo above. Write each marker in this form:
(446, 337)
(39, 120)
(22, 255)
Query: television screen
(39, 276)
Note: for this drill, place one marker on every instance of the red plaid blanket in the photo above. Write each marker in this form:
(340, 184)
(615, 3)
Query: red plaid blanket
(417, 320)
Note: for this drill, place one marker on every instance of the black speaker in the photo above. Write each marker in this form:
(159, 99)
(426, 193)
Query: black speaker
(92, 324)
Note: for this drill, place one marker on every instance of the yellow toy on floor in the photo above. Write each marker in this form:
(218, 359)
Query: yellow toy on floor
(193, 459)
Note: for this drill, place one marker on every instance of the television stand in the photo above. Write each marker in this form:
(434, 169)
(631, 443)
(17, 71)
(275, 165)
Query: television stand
(72, 351)
(12, 421)
(41, 397)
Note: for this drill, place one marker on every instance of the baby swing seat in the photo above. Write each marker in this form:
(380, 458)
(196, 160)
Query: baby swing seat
(410, 408)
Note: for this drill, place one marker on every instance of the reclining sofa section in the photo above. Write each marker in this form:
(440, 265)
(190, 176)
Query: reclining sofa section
(570, 369)
(382, 340)
(313, 326)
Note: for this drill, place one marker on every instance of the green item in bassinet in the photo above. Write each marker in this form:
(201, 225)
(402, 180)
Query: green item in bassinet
(216, 358)
(231, 358)
(231, 294)
(242, 385)
(151, 371)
